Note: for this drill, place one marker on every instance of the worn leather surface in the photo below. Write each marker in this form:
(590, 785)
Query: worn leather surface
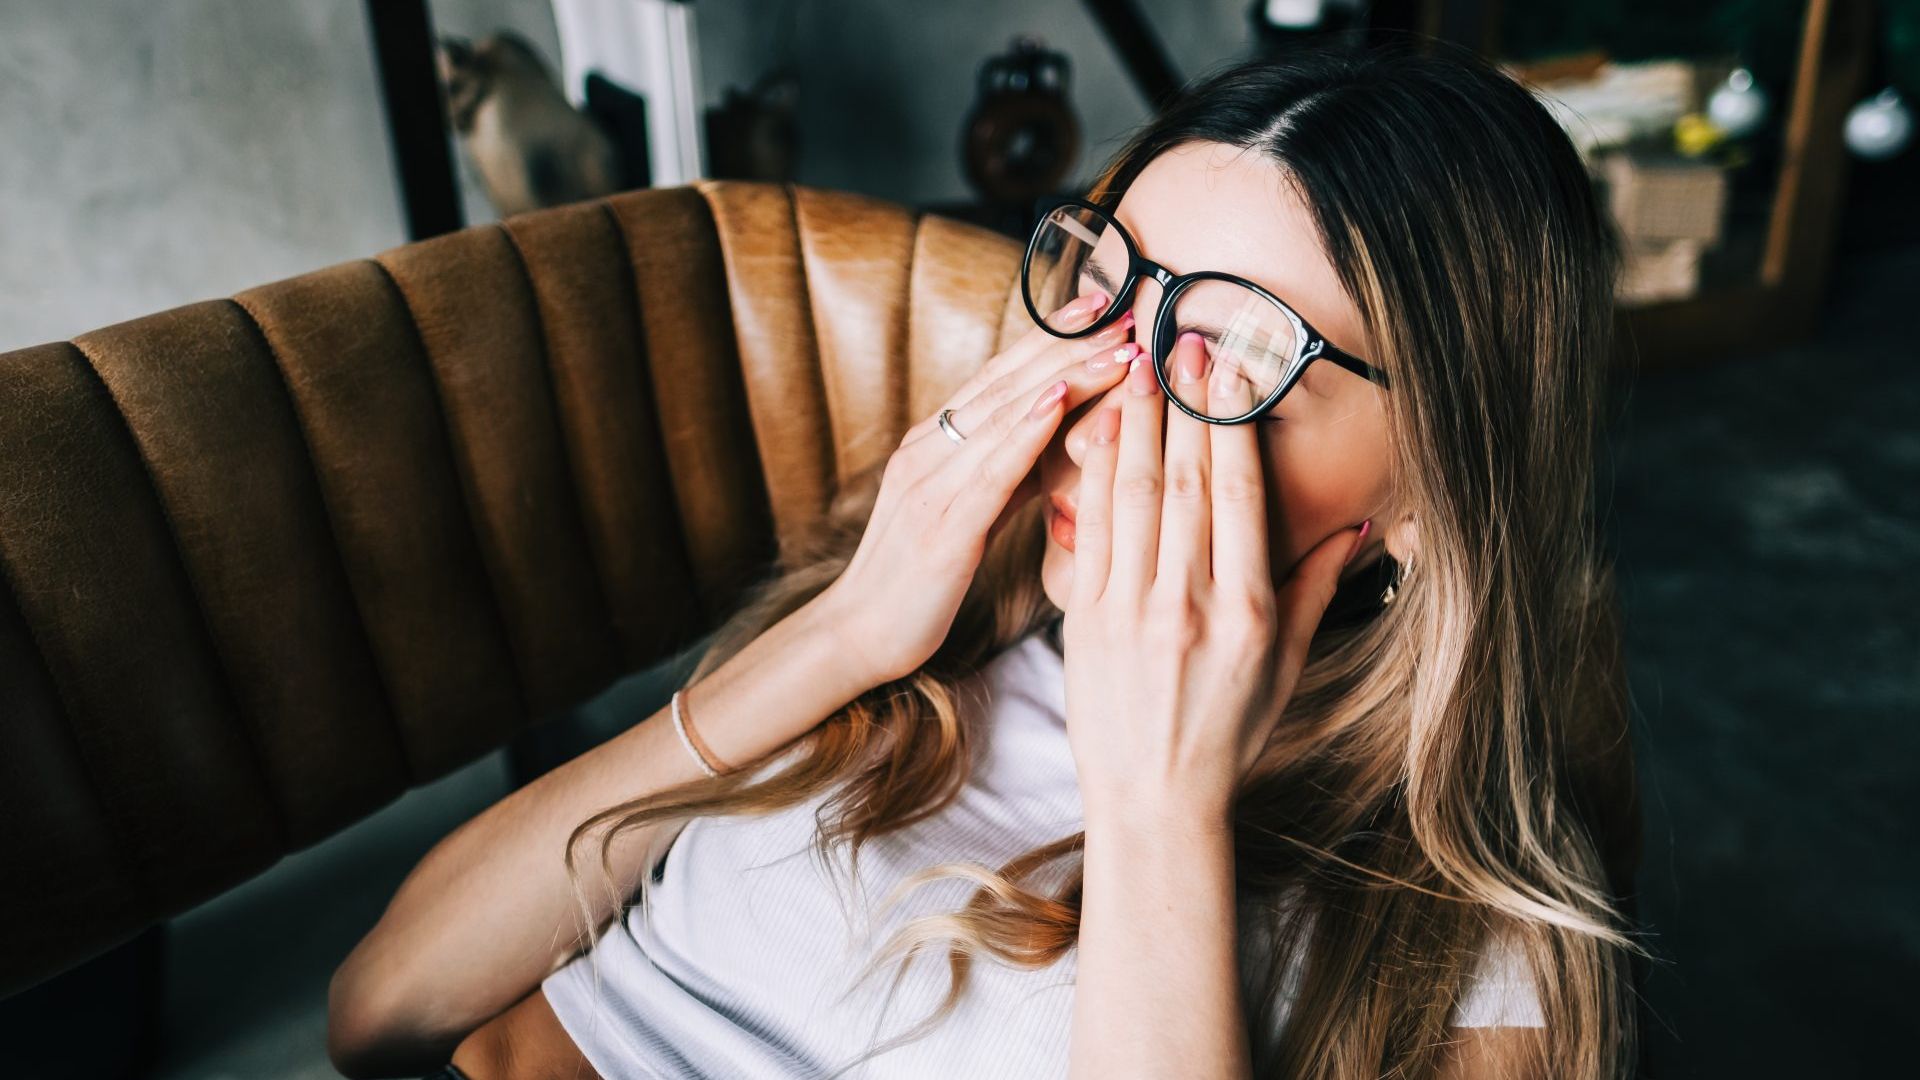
(268, 561)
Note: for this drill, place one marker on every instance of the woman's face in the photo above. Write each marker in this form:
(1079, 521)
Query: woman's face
(1209, 206)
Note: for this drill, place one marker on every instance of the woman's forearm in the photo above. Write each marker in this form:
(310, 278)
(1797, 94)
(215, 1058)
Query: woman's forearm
(1157, 989)
(489, 911)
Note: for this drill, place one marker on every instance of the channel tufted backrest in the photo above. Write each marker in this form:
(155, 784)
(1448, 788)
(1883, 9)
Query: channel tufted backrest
(267, 562)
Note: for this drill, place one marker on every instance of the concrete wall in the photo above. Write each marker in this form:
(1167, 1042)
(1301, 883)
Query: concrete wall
(157, 153)
(152, 154)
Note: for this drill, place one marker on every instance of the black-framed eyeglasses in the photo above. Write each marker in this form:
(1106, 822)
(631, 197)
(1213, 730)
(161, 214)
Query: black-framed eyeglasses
(1258, 347)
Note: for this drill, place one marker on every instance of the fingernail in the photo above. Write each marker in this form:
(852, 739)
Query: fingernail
(1106, 426)
(1193, 361)
(1053, 393)
(1093, 301)
(1140, 378)
(1358, 539)
(1105, 360)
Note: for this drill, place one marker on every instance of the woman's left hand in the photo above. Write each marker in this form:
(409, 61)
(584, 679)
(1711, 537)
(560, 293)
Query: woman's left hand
(1181, 653)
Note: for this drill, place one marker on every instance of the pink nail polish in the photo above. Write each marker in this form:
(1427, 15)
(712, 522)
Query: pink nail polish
(1102, 361)
(1053, 393)
(1193, 365)
(1139, 379)
(1358, 540)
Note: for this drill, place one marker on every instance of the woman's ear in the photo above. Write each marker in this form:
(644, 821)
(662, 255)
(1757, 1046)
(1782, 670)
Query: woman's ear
(1402, 540)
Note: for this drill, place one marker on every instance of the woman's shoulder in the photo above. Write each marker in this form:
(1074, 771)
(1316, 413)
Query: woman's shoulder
(1501, 990)
(1032, 667)
(1019, 708)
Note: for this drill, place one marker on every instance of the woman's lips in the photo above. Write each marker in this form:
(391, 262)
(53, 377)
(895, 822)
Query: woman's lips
(1060, 521)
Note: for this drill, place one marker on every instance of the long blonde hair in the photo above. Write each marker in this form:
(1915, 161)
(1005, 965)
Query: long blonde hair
(1452, 765)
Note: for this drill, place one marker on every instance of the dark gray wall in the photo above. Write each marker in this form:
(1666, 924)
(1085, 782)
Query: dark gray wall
(886, 84)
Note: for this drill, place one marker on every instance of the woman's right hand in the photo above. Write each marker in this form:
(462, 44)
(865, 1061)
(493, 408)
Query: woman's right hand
(940, 502)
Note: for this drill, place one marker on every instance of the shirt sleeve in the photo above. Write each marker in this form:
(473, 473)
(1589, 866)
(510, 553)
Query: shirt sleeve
(1499, 992)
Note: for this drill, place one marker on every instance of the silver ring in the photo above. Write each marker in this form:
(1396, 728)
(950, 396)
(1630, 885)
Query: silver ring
(946, 425)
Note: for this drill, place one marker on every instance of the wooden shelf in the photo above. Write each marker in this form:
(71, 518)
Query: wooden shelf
(1764, 285)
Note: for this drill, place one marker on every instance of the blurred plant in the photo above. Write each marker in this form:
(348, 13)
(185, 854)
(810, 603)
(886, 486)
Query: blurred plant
(1901, 40)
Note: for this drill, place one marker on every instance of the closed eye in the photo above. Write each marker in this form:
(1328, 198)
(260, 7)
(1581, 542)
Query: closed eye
(1100, 278)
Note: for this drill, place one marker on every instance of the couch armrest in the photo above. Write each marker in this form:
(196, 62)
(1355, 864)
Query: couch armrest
(268, 561)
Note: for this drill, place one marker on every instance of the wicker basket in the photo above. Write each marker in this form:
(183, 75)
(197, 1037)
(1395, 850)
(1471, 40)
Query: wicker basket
(1660, 270)
(1661, 199)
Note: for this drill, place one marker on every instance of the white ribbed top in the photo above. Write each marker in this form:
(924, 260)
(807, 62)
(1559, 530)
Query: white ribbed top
(744, 966)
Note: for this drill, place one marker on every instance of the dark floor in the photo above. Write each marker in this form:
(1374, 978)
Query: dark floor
(1767, 517)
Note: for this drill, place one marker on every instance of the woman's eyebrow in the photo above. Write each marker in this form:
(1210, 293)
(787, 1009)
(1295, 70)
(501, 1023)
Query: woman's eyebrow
(1101, 278)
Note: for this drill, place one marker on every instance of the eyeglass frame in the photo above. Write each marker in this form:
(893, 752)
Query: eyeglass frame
(1314, 345)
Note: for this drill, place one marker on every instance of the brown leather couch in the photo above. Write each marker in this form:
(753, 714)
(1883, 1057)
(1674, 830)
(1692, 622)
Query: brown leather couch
(269, 561)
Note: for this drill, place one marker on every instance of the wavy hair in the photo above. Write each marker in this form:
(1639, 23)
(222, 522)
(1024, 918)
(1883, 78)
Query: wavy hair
(1453, 765)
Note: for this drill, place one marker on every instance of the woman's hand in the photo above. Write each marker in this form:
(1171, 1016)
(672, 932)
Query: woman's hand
(940, 502)
(1181, 654)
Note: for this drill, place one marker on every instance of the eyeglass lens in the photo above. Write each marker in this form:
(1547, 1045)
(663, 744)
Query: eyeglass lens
(1248, 342)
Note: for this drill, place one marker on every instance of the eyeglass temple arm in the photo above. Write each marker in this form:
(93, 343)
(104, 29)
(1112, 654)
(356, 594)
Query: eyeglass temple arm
(1352, 363)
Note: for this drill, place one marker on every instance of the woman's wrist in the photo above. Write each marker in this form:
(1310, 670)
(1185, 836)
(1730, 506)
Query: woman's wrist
(836, 637)
(1157, 924)
(774, 690)
(837, 617)
(1142, 814)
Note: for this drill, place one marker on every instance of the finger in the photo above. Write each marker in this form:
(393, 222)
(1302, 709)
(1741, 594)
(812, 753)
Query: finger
(1093, 523)
(1309, 587)
(1240, 554)
(1084, 383)
(1004, 381)
(1096, 352)
(993, 476)
(1074, 315)
(1095, 375)
(1186, 515)
(1137, 482)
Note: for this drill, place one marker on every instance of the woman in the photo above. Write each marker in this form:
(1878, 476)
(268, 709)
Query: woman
(1292, 745)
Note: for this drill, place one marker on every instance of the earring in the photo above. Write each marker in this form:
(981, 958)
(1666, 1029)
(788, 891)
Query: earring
(1401, 573)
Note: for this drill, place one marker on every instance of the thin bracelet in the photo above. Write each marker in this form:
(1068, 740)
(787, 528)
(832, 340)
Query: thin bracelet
(700, 744)
(680, 728)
